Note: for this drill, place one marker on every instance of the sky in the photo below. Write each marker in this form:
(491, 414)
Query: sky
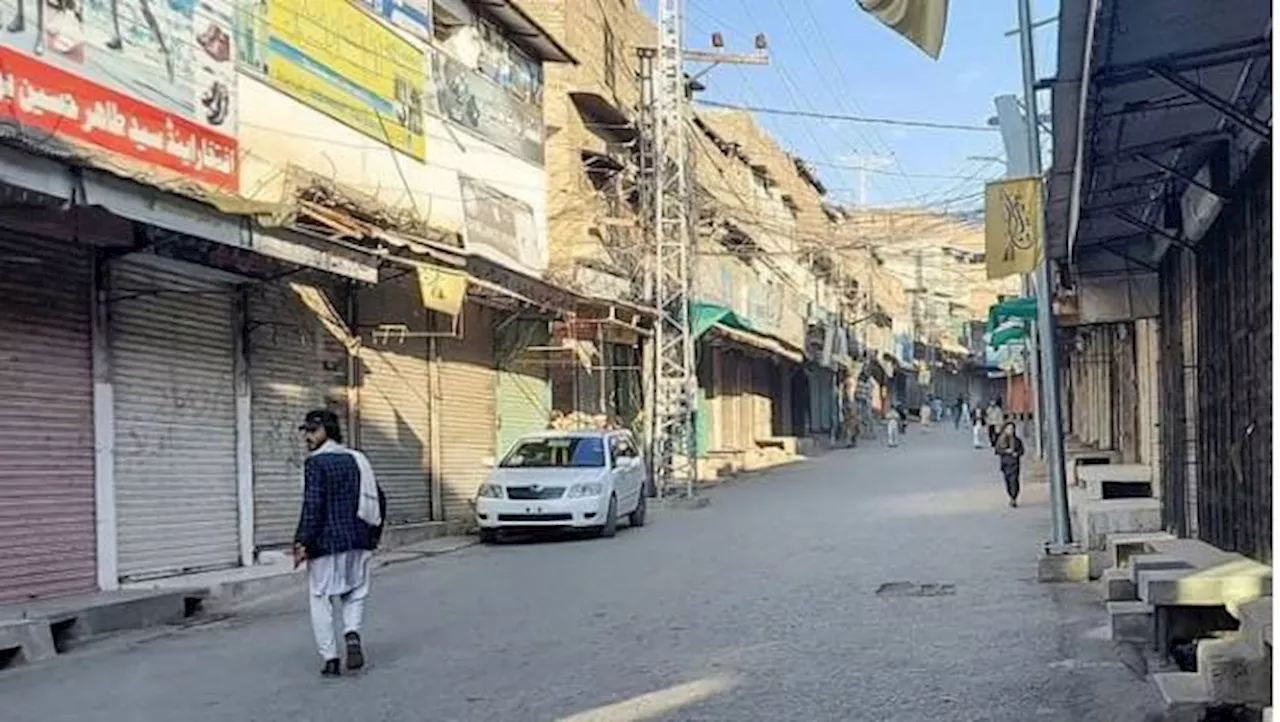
(832, 57)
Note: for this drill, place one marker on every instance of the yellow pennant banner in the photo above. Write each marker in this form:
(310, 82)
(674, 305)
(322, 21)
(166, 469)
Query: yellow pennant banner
(1015, 226)
(442, 289)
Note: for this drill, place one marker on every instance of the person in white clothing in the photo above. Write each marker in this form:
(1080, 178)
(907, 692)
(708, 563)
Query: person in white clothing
(892, 421)
(338, 530)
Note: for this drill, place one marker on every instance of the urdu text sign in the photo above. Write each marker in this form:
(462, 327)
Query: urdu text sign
(344, 62)
(154, 98)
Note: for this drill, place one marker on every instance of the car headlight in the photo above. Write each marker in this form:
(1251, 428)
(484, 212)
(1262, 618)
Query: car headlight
(578, 491)
(490, 491)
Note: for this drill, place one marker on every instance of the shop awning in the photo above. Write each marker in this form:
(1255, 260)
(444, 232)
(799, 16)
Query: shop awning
(755, 340)
(1024, 308)
(702, 316)
(526, 32)
(1007, 334)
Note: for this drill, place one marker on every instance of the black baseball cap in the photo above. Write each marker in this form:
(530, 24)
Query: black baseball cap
(319, 419)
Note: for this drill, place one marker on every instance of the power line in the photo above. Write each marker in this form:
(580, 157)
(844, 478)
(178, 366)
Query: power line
(848, 118)
(897, 173)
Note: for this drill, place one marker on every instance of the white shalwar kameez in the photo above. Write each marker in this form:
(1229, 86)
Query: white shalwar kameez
(343, 577)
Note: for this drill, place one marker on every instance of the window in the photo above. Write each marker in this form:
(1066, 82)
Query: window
(622, 448)
(610, 59)
(565, 452)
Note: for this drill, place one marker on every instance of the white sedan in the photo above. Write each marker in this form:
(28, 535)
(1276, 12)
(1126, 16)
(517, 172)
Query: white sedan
(583, 480)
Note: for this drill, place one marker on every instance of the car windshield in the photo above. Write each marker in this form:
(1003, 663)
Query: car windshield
(556, 452)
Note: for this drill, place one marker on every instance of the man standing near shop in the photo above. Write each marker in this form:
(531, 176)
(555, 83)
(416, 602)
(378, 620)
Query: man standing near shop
(338, 530)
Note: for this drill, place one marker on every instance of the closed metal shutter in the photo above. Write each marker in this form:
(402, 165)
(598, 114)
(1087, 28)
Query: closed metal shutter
(394, 406)
(46, 421)
(524, 387)
(468, 410)
(742, 414)
(764, 399)
(295, 365)
(524, 402)
(172, 352)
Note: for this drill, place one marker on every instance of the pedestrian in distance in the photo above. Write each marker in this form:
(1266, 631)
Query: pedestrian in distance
(338, 530)
(960, 412)
(892, 420)
(1009, 449)
(978, 425)
(994, 418)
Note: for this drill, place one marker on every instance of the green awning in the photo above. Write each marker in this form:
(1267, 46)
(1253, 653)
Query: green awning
(702, 316)
(1014, 308)
(1007, 334)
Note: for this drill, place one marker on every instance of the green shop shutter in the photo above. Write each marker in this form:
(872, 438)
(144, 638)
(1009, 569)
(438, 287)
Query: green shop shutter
(524, 386)
(524, 402)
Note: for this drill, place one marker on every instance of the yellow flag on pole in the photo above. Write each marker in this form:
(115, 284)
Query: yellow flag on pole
(1014, 226)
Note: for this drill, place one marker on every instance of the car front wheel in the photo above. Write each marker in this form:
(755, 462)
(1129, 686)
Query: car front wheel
(610, 528)
(642, 510)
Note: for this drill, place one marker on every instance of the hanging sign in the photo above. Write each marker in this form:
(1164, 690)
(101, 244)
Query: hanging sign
(442, 289)
(1014, 226)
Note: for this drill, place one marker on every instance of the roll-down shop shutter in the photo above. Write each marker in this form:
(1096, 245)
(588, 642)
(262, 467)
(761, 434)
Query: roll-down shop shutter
(743, 420)
(763, 372)
(468, 410)
(172, 354)
(524, 389)
(46, 420)
(394, 405)
(295, 365)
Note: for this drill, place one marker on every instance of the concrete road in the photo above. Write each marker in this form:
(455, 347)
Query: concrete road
(769, 605)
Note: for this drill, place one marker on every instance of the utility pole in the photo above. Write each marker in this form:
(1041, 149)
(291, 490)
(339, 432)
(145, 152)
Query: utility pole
(665, 166)
(676, 383)
(865, 162)
(1061, 540)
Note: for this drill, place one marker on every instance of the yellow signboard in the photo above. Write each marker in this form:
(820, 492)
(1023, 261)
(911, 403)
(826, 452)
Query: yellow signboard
(344, 62)
(1015, 226)
(442, 289)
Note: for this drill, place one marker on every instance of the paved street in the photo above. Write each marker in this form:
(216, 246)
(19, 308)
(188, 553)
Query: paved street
(763, 606)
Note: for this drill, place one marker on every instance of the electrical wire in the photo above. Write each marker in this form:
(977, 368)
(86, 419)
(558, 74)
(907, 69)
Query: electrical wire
(898, 122)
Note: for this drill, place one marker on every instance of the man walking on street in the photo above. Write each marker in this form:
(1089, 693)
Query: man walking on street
(338, 530)
(994, 419)
(1009, 449)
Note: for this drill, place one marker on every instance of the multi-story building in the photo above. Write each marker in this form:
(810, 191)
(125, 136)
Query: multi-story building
(313, 205)
(775, 354)
(596, 229)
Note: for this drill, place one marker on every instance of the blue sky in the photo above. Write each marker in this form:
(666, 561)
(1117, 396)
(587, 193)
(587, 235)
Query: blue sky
(830, 56)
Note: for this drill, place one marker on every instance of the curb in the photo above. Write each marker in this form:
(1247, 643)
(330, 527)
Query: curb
(226, 597)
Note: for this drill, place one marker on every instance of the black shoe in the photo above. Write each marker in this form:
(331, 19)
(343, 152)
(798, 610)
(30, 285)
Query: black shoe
(1013, 503)
(355, 654)
(331, 669)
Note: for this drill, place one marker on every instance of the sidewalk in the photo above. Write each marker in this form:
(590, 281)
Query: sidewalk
(40, 630)
(226, 589)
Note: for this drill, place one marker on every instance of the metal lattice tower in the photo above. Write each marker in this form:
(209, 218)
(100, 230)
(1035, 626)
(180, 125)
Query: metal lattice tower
(676, 384)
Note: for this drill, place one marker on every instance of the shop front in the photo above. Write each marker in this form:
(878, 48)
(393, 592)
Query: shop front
(47, 444)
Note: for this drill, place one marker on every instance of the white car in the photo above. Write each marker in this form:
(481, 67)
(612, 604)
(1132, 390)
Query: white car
(582, 480)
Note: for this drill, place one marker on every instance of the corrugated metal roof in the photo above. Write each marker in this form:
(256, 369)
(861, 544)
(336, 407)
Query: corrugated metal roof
(1117, 162)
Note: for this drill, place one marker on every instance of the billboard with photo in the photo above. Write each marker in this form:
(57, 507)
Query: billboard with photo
(144, 88)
